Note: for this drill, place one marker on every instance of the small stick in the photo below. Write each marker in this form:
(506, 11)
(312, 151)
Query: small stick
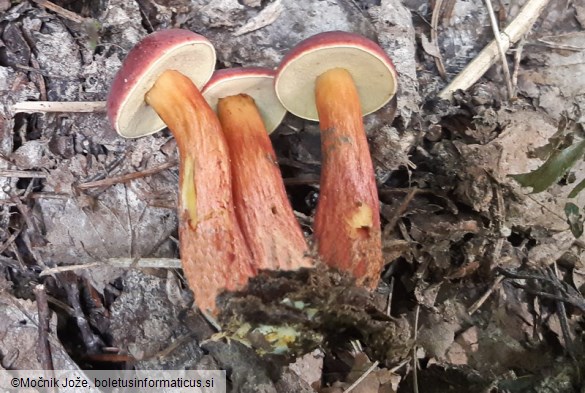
(402, 208)
(553, 45)
(10, 240)
(110, 357)
(14, 249)
(32, 227)
(92, 342)
(517, 58)
(127, 177)
(488, 56)
(210, 320)
(562, 314)
(434, 42)
(109, 168)
(22, 174)
(498, 38)
(39, 78)
(165, 352)
(414, 349)
(72, 16)
(475, 306)
(399, 365)
(389, 300)
(62, 305)
(96, 299)
(58, 106)
(159, 263)
(362, 377)
(46, 358)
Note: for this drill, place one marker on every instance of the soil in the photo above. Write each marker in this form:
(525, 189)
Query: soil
(484, 284)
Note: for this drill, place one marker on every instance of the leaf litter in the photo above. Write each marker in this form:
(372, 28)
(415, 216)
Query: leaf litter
(467, 232)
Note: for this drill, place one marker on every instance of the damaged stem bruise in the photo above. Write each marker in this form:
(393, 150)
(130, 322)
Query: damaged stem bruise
(213, 250)
(262, 206)
(347, 221)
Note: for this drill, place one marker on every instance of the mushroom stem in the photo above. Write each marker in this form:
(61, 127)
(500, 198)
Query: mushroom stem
(347, 221)
(262, 207)
(213, 250)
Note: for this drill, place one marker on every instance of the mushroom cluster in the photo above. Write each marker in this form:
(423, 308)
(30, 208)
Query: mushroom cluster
(235, 217)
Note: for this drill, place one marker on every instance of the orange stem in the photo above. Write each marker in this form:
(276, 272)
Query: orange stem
(262, 207)
(347, 221)
(214, 254)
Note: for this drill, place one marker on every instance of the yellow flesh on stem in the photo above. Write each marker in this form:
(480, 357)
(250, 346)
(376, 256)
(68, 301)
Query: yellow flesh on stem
(188, 192)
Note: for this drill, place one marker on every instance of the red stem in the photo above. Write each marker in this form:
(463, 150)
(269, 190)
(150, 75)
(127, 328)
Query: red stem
(262, 206)
(213, 250)
(347, 222)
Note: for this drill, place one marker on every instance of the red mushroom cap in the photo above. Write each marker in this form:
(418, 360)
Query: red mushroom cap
(189, 53)
(372, 70)
(257, 82)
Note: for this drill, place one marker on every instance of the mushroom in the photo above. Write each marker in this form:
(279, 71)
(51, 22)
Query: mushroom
(337, 77)
(157, 87)
(248, 111)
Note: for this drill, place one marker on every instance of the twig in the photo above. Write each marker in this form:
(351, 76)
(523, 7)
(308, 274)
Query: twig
(517, 59)
(62, 305)
(356, 347)
(10, 240)
(60, 11)
(568, 294)
(32, 229)
(109, 168)
(434, 41)
(545, 207)
(399, 365)
(160, 263)
(402, 208)
(362, 377)
(165, 352)
(475, 306)
(22, 174)
(553, 45)
(414, 349)
(488, 56)
(95, 298)
(39, 77)
(128, 177)
(562, 312)
(92, 342)
(498, 38)
(210, 320)
(46, 357)
(14, 249)
(110, 358)
(37, 71)
(389, 300)
(58, 106)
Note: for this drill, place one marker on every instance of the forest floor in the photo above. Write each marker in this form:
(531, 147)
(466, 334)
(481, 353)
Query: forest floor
(484, 283)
